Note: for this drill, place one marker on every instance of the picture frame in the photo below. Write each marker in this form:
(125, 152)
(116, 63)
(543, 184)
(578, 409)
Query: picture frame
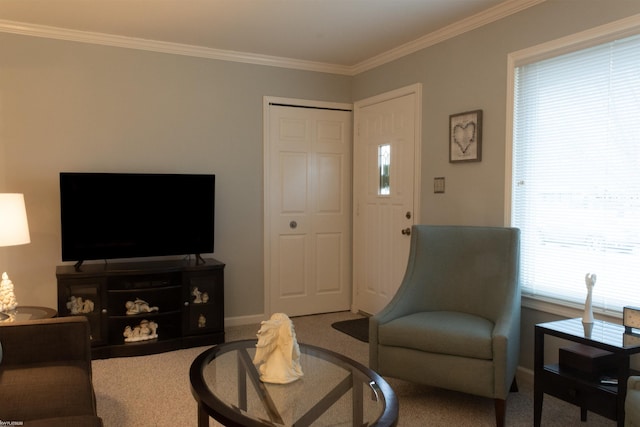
(465, 137)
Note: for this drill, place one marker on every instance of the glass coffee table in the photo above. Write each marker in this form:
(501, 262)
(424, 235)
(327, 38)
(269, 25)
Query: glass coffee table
(334, 391)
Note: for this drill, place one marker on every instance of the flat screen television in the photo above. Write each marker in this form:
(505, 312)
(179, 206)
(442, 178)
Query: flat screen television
(129, 215)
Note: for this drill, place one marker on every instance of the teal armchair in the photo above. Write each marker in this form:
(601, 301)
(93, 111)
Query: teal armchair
(455, 321)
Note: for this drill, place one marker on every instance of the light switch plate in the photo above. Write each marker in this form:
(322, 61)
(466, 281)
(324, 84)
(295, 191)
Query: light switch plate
(438, 184)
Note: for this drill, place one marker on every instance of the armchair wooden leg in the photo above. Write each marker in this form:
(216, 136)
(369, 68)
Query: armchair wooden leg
(501, 411)
(501, 405)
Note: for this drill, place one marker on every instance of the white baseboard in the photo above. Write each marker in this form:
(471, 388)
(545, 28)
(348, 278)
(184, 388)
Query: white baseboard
(524, 376)
(244, 320)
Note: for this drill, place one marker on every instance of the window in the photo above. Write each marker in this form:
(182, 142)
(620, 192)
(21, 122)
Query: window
(575, 171)
(384, 165)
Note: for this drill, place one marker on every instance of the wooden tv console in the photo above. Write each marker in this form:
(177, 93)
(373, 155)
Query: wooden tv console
(189, 298)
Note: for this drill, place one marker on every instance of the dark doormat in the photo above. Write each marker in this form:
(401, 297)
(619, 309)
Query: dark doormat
(357, 328)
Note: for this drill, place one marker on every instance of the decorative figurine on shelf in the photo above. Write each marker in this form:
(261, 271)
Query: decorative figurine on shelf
(7, 297)
(277, 352)
(197, 296)
(146, 330)
(138, 306)
(590, 280)
(76, 305)
(202, 321)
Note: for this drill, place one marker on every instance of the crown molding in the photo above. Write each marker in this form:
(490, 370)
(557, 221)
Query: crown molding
(490, 15)
(478, 20)
(166, 47)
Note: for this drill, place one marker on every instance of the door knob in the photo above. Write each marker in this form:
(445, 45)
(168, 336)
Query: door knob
(406, 231)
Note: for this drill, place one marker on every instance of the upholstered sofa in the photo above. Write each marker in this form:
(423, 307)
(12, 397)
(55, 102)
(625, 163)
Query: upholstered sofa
(632, 403)
(45, 373)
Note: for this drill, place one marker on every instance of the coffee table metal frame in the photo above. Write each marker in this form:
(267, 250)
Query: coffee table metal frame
(209, 405)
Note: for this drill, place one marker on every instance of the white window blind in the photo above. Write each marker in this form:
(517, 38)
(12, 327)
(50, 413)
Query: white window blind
(576, 174)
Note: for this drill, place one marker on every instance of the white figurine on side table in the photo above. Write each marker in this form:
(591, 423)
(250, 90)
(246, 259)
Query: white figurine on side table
(7, 296)
(590, 281)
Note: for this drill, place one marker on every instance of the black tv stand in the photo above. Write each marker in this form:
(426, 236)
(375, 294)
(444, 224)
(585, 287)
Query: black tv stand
(199, 259)
(77, 265)
(189, 295)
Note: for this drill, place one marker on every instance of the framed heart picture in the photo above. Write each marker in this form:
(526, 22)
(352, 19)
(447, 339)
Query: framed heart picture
(465, 137)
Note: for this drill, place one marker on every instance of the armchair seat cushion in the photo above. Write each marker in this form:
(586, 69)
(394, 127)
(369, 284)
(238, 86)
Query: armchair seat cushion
(60, 388)
(443, 332)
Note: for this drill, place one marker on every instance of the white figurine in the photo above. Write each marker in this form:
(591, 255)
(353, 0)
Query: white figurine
(7, 297)
(77, 305)
(138, 306)
(277, 351)
(146, 330)
(590, 280)
(197, 296)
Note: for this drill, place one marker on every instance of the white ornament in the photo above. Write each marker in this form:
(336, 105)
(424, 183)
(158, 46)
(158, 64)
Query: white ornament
(138, 306)
(590, 280)
(146, 330)
(277, 351)
(7, 297)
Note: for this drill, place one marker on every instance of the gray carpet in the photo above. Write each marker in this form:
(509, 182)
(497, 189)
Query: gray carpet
(154, 390)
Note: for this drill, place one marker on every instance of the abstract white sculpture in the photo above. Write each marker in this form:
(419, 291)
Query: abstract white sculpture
(590, 280)
(277, 351)
(7, 297)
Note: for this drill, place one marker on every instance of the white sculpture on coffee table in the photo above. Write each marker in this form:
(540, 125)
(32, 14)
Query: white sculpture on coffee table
(277, 352)
(590, 281)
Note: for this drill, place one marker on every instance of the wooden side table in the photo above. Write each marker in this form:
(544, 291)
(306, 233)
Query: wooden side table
(28, 312)
(587, 393)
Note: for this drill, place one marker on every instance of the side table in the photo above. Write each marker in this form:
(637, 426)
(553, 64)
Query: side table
(587, 393)
(28, 312)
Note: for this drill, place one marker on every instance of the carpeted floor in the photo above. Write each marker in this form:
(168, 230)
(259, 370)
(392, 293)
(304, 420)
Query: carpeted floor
(155, 391)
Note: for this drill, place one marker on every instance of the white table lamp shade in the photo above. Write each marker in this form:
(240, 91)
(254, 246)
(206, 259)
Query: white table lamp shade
(14, 228)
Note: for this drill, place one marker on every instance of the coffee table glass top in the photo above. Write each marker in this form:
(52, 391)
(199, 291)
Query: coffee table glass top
(334, 391)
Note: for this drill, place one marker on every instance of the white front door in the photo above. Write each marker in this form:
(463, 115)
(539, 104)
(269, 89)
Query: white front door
(386, 190)
(307, 209)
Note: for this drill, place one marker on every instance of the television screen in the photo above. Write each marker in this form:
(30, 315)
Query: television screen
(122, 215)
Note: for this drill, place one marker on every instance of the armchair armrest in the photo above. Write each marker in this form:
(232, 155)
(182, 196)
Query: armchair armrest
(46, 340)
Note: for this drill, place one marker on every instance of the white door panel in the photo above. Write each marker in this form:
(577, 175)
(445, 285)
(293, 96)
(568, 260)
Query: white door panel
(308, 210)
(384, 203)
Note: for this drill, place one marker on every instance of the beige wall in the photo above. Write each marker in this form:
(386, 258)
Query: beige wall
(67, 106)
(469, 72)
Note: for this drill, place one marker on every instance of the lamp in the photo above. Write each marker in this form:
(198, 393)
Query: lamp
(14, 230)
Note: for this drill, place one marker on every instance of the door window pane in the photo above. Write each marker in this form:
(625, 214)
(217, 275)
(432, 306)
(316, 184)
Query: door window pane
(384, 163)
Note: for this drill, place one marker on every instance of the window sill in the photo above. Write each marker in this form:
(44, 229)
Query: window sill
(566, 309)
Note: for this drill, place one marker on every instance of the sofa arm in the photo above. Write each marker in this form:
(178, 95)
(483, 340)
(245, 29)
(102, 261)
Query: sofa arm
(46, 340)
(633, 383)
